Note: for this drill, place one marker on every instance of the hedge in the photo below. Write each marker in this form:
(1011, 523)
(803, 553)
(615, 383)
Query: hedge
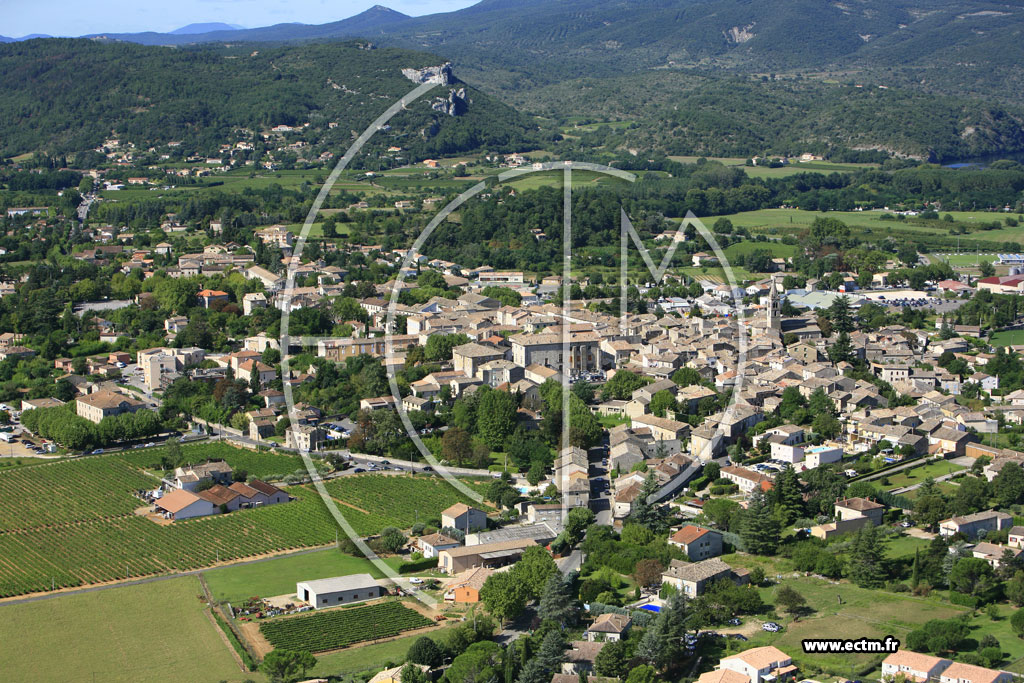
(958, 598)
(417, 565)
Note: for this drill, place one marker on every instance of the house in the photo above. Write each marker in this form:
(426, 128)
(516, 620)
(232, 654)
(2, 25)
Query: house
(339, 590)
(249, 369)
(853, 508)
(609, 626)
(746, 479)
(394, 674)
(305, 437)
(993, 553)
(32, 403)
(191, 477)
(697, 543)
(690, 578)
(1016, 539)
(760, 664)
(432, 544)
(580, 657)
(491, 555)
(914, 665)
(466, 586)
(972, 525)
(96, 406)
(182, 504)
(464, 518)
(957, 672)
(208, 297)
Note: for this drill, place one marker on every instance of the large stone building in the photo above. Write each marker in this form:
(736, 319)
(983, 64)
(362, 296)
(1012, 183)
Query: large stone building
(94, 407)
(546, 349)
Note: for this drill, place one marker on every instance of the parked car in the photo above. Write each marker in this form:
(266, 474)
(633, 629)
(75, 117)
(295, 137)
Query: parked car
(771, 627)
(734, 622)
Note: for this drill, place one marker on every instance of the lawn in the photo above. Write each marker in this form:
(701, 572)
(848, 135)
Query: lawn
(1007, 338)
(916, 475)
(862, 613)
(778, 249)
(279, 575)
(965, 259)
(132, 633)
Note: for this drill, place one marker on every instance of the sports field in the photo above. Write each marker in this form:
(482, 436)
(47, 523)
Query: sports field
(148, 632)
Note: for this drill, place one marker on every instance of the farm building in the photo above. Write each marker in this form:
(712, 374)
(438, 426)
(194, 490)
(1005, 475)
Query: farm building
(464, 518)
(182, 504)
(340, 590)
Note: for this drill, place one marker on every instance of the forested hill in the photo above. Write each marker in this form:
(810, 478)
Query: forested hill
(63, 96)
(952, 45)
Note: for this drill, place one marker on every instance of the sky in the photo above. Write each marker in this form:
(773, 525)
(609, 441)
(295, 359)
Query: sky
(75, 18)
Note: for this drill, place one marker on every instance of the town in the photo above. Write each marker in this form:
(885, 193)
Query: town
(345, 369)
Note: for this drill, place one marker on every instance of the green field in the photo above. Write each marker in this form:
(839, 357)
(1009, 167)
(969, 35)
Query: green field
(965, 259)
(269, 465)
(916, 475)
(371, 657)
(863, 613)
(336, 628)
(1007, 338)
(131, 633)
(778, 249)
(279, 575)
(371, 502)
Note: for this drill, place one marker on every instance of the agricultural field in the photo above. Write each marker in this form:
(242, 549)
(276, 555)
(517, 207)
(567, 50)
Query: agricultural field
(371, 502)
(268, 465)
(337, 628)
(128, 633)
(89, 489)
(372, 657)
(130, 546)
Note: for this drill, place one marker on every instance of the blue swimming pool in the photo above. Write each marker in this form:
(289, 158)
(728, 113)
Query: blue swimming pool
(651, 608)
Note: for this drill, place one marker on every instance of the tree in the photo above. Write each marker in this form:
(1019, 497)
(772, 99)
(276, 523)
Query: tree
(1017, 622)
(938, 635)
(1009, 484)
(282, 665)
(867, 555)
(576, 523)
(546, 662)
(644, 512)
(479, 663)
(972, 575)
(534, 569)
(826, 425)
(759, 528)
(840, 316)
(648, 572)
(456, 446)
(425, 651)
(642, 674)
(790, 600)
(496, 417)
(1015, 589)
(392, 540)
(613, 659)
(987, 269)
(661, 644)
(787, 495)
(662, 402)
(842, 349)
(504, 595)
(557, 602)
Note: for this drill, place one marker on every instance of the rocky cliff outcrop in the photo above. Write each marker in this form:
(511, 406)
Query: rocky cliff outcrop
(441, 75)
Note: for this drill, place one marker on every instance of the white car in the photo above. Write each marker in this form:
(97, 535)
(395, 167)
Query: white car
(415, 581)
